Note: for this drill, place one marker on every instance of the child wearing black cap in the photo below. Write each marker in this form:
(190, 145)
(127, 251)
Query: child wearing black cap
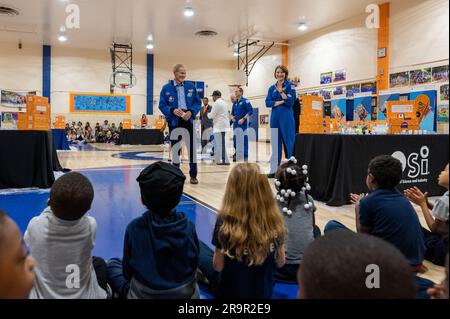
(161, 247)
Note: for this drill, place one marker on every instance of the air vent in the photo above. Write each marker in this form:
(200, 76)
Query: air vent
(206, 33)
(8, 11)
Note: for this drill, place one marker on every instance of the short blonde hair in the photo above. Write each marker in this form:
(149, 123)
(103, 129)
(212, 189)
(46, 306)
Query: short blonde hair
(177, 67)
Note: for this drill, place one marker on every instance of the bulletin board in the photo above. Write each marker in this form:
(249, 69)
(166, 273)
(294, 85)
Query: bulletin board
(100, 103)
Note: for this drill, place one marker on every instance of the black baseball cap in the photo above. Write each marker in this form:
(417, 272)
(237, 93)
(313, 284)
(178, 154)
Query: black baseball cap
(217, 93)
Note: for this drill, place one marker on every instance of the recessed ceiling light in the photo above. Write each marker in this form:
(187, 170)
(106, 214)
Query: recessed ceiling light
(235, 54)
(188, 12)
(302, 26)
(62, 38)
(150, 37)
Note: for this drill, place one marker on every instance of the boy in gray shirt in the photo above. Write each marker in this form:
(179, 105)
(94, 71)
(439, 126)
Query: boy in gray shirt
(436, 239)
(61, 240)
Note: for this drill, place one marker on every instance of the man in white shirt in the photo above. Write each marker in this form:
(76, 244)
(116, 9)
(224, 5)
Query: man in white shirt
(219, 115)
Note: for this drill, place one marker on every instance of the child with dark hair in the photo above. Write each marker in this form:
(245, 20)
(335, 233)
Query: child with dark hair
(16, 264)
(61, 239)
(161, 247)
(436, 238)
(345, 265)
(297, 208)
(386, 212)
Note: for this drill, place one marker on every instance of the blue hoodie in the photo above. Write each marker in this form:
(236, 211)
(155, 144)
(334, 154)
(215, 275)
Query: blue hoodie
(161, 253)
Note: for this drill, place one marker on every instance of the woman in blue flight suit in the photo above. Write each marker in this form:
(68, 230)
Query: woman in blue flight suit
(240, 113)
(280, 99)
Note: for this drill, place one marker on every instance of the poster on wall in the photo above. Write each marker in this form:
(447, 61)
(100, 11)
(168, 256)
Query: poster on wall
(442, 116)
(382, 106)
(326, 94)
(326, 78)
(427, 108)
(339, 90)
(99, 103)
(339, 75)
(9, 120)
(440, 73)
(369, 87)
(339, 109)
(353, 89)
(362, 108)
(444, 92)
(14, 99)
(418, 77)
(399, 79)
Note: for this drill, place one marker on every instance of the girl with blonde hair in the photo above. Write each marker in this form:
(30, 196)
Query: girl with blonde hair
(248, 238)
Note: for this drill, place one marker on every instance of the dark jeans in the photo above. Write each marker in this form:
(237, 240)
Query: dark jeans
(220, 151)
(436, 247)
(206, 266)
(100, 271)
(190, 143)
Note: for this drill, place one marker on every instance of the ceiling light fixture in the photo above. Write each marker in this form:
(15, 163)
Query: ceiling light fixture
(189, 12)
(302, 26)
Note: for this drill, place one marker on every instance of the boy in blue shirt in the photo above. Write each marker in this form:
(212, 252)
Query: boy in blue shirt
(161, 247)
(386, 212)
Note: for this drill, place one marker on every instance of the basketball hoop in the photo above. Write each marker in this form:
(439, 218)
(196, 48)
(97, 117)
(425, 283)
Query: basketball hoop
(123, 80)
(124, 88)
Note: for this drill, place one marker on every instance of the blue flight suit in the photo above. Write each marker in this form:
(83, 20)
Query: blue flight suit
(240, 109)
(281, 119)
(168, 102)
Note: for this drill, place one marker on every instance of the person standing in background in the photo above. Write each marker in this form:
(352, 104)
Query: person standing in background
(144, 121)
(206, 124)
(219, 114)
(240, 113)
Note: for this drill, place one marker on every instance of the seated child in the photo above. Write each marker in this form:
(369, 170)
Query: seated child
(161, 247)
(436, 241)
(248, 238)
(386, 212)
(345, 265)
(16, 264)
(297, 208)
(61, 239)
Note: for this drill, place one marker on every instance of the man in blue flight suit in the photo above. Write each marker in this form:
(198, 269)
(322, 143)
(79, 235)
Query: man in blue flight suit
(180, 103)
(240, 113)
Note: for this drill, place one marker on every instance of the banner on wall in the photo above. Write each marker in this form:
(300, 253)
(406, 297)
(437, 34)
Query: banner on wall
(9, 120)
(100, 103)
(427, 101)
(382, 106)
(362, 110)
(339, 109)
(14, 99)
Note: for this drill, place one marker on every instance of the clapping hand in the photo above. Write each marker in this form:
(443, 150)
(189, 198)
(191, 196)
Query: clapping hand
(356, 198)
(416, 196)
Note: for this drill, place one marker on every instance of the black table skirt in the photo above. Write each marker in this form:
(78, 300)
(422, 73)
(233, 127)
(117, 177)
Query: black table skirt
(142, 137)
(27, 159)
(60, 140)
(338, 163)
